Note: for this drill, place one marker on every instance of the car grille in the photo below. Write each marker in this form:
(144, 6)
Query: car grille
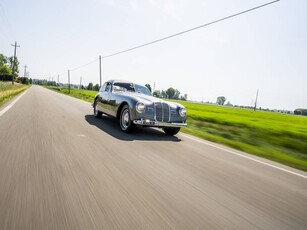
(162, 112)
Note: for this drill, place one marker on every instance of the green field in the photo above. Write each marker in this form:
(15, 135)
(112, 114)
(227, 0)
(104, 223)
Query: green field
(85, 95)
(275, 136)
(8, 91)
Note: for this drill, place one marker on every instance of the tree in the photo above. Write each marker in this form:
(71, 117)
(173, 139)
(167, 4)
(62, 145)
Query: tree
(300, 112)
(90, 86)
(3, 60)
(96, 87)
(148, 86)
(5, 69)
(183, 98)
(16, 66)
(229, 104)
(23, 80)
(220, 100)
(163, 94)
(177, 94)
(157, 93)
(170, 92)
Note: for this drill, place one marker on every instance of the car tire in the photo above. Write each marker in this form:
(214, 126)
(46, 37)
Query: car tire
(171, 131)
(125, 122)
(97, 113)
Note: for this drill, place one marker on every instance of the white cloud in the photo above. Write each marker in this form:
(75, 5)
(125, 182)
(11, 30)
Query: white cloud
(112, 3)
(172, 8)
(133, 5)
(153, 2)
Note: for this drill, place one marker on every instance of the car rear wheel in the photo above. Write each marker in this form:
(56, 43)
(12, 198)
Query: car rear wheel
(97, 113)
(171, 131)
(125, 122)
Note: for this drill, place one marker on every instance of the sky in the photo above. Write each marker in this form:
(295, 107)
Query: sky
(263, 50)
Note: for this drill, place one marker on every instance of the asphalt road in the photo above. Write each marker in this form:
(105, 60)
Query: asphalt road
(61, 168)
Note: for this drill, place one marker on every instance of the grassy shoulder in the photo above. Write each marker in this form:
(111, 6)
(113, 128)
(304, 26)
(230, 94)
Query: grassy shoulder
(274, 136)
(85, 95)
(8, 91)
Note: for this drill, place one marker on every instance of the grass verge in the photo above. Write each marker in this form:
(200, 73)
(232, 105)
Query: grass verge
(274, 136)
(8, 91)
(84, 95)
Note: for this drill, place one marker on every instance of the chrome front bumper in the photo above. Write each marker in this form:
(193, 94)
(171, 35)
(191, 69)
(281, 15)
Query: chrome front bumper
(158, 123)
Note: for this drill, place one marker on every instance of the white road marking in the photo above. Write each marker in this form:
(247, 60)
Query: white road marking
(241, 155)
(7, 108)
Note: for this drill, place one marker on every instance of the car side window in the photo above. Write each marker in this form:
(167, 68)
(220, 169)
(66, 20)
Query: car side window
(108, 87)
(103, 87)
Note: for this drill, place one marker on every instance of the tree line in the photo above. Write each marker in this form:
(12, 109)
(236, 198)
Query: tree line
(302, 112)
(44, 82)
(7, 65)
(6, 70)
(170, 93)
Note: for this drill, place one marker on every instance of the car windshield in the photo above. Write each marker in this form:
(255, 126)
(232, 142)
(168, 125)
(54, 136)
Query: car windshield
(122, 86)
(142, 89)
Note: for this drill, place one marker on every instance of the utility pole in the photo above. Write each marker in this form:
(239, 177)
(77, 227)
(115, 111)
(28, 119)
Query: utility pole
(80, 81)
(68, 82)
(154, 87)
(14, 60)
(100, 69)
(25, 74)
(58, 78)
(256, 100)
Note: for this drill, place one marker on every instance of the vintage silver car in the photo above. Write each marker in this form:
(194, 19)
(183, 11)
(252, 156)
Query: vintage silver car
(133, 104)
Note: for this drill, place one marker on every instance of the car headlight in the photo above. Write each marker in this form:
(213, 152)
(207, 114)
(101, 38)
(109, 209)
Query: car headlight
(182, 112)
(140, 107)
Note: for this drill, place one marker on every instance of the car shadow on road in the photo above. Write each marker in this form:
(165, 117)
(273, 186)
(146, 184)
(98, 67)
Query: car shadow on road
(111, 126)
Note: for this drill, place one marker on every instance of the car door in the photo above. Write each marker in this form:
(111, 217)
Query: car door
(104, 98)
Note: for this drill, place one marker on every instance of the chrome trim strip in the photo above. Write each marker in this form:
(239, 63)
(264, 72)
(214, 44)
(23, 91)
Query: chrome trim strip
(158, 124)
(155, 108)
(169, 113)
(162, 109)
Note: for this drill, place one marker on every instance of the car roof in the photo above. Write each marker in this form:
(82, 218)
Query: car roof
(118, 80)
(123, 81)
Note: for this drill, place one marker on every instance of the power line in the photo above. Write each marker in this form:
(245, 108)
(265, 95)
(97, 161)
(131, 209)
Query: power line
(176, 34)
(79, 67)
(189, 30)
(6, 22)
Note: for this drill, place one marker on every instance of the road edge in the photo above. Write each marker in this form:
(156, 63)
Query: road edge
(9, 104)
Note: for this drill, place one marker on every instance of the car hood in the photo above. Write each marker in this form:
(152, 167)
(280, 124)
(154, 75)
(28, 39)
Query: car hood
(147, 98)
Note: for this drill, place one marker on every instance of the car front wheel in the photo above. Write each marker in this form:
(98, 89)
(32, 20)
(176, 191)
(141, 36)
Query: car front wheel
(171, 131)
(126, 124)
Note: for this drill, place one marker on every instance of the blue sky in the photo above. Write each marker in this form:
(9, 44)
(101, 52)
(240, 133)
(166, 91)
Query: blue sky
(265, 49)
